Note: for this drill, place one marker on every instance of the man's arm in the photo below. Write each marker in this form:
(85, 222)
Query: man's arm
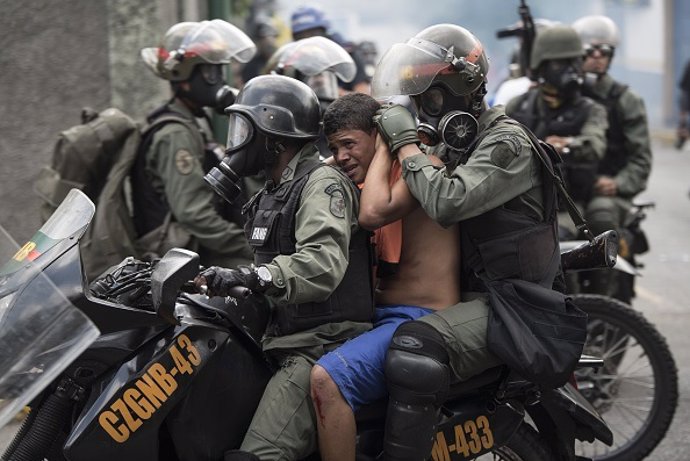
(382, 202)
(500, 168)
(189, 197)
(632, 179)
(324, 223)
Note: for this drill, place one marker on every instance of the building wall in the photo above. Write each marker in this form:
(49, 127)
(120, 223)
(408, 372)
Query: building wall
(58, 56)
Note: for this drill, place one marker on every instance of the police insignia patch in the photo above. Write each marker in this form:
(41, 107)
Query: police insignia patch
(502, 155)
(513, 141)
(184, 161)
(337, 205)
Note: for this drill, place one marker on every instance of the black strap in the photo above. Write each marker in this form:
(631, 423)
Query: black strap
(573, 211)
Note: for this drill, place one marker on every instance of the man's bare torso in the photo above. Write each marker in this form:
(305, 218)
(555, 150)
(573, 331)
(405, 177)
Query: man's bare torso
(428, 273)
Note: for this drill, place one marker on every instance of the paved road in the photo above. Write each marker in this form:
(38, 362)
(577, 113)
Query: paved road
(664, 290)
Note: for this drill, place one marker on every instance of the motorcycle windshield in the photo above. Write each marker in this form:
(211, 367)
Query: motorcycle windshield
(41, 332)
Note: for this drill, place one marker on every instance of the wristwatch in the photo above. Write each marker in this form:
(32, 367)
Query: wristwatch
(264, 276)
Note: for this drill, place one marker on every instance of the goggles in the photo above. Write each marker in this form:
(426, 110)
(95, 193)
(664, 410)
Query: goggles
(604, 49)
(240, 131)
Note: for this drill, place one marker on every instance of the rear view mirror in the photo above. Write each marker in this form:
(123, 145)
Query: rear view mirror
(172, 271)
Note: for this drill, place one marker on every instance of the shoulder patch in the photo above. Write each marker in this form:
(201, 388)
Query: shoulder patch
(512, 140)
(337, 204)
(184, 161)
(502, 155)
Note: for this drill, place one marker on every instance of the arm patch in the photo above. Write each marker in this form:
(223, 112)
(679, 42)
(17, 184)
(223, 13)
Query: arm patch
(502, 155)
(337, 203)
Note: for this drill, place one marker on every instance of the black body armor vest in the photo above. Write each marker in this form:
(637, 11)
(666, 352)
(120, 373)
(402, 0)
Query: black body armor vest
(270, 229)
(615, 159)
(579, 176)
(506, 244)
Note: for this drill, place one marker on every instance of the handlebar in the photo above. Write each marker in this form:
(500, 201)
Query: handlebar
(236, 292)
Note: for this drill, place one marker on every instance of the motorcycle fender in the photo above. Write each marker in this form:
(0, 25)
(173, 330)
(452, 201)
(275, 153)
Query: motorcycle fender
(124, 420)
(568, 399)
(474, 428)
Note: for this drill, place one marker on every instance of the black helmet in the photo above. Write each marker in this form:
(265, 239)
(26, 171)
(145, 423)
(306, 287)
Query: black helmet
(556, 42)
(446, 54)
(277, 106)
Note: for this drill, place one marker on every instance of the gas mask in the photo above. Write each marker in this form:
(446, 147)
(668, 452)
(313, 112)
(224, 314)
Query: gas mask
(207, 88)
(249, 152)
(563, 77)
(446, 118)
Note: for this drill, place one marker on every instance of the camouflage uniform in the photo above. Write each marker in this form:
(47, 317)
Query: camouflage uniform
(284, 424)
(503, 170)
(174, 168)
(628, 119)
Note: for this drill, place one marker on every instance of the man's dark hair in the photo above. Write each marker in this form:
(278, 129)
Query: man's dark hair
(354, 111)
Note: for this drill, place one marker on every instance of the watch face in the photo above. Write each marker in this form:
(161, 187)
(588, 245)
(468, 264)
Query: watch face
(264, 274)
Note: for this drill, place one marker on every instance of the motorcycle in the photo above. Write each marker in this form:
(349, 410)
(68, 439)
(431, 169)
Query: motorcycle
(636, 391)
(137, 365)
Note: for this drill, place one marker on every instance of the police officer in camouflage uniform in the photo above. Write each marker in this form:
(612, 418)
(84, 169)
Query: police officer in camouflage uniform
(556, 112)
(504, 202)
(173, 206)
(624, 171)
(312, 259)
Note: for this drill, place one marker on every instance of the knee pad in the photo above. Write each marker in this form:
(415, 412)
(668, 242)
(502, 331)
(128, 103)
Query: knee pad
(417, 369)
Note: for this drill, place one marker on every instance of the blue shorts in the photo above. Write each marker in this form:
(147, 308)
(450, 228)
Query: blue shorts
(357, 367)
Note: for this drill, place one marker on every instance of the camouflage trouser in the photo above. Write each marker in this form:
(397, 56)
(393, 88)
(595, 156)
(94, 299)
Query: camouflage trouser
(602, 214)
(463, 328)
(284, 424)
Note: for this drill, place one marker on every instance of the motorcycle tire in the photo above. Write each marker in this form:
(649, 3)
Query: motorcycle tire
(639, 371)
(524, 445)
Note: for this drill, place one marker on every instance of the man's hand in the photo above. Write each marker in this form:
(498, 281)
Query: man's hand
(606, 186)
(560, 143)
(219, 280)
(397, 126)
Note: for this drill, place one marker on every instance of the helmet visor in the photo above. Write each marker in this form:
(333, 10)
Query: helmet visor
(325, 85)
(240, 131)
(217, 41)
(409, 69)
(314, 55)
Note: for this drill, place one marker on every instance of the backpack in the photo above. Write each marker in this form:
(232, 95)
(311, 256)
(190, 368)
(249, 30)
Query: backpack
(96, 157)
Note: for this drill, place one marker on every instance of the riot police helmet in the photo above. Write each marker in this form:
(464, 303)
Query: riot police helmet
(598, 32)
(447, 55)
(188, 44)
(555, 42)
(276, 106)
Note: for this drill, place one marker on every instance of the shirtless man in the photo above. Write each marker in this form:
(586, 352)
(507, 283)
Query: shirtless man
(421, 261)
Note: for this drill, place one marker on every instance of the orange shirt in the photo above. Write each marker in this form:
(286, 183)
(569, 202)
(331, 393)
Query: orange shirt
(388, 239)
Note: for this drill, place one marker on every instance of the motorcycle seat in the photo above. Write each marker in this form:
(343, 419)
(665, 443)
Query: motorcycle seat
(485, 378)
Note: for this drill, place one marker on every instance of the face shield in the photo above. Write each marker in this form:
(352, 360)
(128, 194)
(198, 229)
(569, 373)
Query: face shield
(188, 44)
(216, 42)
(411, 68)
(312, 56)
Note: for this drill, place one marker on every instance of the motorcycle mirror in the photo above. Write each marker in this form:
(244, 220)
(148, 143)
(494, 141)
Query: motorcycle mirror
(172, 271)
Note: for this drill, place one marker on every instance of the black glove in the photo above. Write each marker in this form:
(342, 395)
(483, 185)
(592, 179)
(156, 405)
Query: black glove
(397, 126)
(219, 280)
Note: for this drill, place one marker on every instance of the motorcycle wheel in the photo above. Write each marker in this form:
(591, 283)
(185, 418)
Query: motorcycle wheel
(636, 391)
(524, 445)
